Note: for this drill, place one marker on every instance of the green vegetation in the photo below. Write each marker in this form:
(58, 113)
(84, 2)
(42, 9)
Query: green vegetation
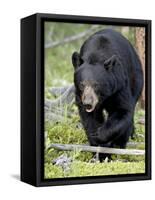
(69, 131)
(79, 168)
(59, 72)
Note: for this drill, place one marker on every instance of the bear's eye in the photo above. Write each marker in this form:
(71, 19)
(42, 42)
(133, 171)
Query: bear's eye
(81, 86)
(96, 86)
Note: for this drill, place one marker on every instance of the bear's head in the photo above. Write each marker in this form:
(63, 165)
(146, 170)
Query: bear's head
(95, 82)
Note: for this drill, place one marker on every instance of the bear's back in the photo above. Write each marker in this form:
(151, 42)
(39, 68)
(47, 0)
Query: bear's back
(108, 42)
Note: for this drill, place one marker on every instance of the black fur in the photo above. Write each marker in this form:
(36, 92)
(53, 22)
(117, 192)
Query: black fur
(108, 60)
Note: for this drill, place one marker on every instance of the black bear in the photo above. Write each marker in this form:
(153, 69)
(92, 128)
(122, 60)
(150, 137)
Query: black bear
(108, 77)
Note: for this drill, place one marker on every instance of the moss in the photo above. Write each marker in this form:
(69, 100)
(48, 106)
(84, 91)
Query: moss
(79, 168)
(52, 171)
(69, 131)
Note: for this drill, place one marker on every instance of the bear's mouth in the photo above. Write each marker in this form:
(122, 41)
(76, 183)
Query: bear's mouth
(89, 108)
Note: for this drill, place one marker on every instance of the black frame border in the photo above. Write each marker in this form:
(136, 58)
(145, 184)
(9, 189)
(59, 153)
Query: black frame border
(40, 19)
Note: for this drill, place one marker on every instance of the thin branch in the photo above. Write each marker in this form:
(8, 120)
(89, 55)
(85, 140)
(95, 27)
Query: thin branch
(72, 147)
(71, 38)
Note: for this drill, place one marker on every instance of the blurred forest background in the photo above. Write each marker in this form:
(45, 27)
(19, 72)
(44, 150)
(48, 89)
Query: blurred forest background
(62, 123)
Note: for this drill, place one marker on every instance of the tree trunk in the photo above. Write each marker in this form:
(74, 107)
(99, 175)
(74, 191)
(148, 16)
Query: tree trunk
(140, 46)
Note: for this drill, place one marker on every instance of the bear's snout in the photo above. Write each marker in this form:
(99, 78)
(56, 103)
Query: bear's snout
(89, 99)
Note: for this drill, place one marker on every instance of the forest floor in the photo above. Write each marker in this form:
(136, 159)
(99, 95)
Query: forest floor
(70, 131)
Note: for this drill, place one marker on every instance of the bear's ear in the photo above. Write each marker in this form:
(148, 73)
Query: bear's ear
(110, 62)
(76, 60)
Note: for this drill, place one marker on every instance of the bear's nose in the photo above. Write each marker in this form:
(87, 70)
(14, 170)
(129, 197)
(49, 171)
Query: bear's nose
(87, 100)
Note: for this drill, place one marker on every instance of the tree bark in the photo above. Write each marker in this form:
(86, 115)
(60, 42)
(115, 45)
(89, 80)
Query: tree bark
(140, 46)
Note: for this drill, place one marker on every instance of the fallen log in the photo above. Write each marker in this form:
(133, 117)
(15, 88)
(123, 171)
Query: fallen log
(66, 98)
(58, 91)
(53, 117)
(107, 150)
